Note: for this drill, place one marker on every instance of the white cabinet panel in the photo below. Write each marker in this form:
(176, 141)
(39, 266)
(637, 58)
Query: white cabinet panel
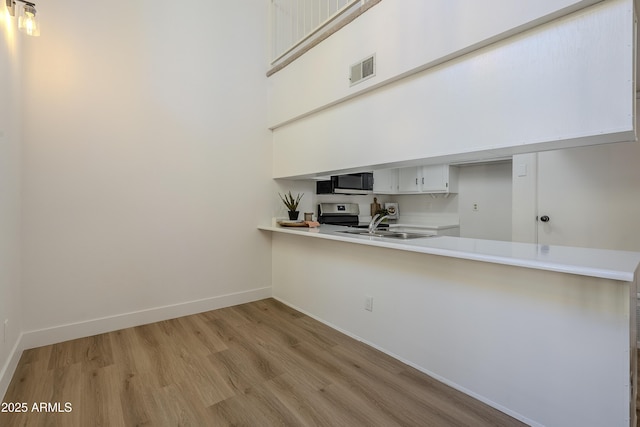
(439, 179)
(428, 179)
(385, 181)
(409, 180)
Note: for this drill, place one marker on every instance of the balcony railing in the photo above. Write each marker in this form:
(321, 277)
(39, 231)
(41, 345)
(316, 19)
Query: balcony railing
(295, 23)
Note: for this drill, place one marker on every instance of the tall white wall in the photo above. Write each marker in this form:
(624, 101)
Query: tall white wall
(10, 197)
(406, 35)
(521, 94)
(146, 168)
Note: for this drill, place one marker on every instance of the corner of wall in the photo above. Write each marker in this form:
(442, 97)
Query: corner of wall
(9, 368)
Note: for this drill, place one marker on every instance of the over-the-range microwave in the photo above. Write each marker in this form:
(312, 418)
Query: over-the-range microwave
(353, 183)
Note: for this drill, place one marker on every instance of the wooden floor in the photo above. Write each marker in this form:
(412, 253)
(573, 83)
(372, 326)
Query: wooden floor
(257, 364)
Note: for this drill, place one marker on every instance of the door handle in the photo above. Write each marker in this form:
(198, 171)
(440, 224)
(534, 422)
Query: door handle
(544, 218)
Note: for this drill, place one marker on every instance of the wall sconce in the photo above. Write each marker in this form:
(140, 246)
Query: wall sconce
(28, 22)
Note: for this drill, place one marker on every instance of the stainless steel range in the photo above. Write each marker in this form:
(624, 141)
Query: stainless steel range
(338, 213)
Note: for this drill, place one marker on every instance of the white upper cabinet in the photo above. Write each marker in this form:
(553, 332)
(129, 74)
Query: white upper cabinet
(409, 180)
(420, 179)
(385, 181)
(439, 179)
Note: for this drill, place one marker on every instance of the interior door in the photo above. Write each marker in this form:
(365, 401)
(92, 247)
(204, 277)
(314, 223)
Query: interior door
(590, 197)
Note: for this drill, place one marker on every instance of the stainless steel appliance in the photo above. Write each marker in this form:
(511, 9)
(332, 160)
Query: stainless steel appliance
(338, 213)
(342, 214)
(353, 183)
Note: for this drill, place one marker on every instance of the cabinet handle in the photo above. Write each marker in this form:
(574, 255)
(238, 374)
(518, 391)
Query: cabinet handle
(416, 181)
(423, 180)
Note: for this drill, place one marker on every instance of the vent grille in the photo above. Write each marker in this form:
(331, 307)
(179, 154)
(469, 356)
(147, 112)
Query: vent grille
(363, 70)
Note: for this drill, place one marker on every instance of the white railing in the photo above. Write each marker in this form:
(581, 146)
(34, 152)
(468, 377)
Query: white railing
(295, 22)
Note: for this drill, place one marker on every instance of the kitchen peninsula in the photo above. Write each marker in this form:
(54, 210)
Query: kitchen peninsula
(543, 333)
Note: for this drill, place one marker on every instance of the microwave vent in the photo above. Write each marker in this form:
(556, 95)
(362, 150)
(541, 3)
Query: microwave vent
(363, 70)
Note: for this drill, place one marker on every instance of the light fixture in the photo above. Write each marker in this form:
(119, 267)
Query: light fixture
(28, 22)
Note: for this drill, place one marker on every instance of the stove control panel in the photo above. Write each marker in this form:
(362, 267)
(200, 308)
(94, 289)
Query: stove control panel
(339, 209)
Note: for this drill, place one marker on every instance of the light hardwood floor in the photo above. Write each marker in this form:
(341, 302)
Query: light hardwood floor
(257, 364)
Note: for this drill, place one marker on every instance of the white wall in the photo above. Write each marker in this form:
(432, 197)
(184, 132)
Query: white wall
(307, 204)
(522, 94)
(146, 163)
(489, 186)
(591, 194)
(406, 35)
(10, 196)
(426, 208)
(505, 335)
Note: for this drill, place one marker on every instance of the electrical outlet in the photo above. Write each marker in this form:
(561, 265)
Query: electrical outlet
(368, 303)
(475, 207)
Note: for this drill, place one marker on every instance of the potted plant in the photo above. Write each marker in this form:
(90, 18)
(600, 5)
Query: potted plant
(292, 204)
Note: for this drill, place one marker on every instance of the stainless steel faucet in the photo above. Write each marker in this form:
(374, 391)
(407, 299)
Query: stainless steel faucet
(375, 222)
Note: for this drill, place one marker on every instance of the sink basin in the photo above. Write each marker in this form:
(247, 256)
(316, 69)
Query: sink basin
(389, 234)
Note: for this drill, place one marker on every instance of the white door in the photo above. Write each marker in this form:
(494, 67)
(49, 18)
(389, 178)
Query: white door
(588, 197)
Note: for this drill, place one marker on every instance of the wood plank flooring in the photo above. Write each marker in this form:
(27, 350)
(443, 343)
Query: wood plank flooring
(257, 364)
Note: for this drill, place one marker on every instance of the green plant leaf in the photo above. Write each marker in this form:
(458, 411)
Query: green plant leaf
(291, 202)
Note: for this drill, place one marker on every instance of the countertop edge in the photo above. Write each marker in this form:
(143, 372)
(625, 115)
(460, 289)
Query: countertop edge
(426, 226)
(603, 273)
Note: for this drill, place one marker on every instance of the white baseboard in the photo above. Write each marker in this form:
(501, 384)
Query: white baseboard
(56, 334)
(10, 367)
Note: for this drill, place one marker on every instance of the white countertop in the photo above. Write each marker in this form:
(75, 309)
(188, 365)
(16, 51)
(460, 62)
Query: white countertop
(601, 263)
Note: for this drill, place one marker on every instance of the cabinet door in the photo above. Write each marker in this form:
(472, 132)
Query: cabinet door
(409, 180)
(439, 179)
(385, 181)
(435, 179)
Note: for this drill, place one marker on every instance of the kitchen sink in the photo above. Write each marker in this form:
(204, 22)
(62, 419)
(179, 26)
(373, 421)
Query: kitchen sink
(389, 234)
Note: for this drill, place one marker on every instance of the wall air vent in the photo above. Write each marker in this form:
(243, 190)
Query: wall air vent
(363, 70)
